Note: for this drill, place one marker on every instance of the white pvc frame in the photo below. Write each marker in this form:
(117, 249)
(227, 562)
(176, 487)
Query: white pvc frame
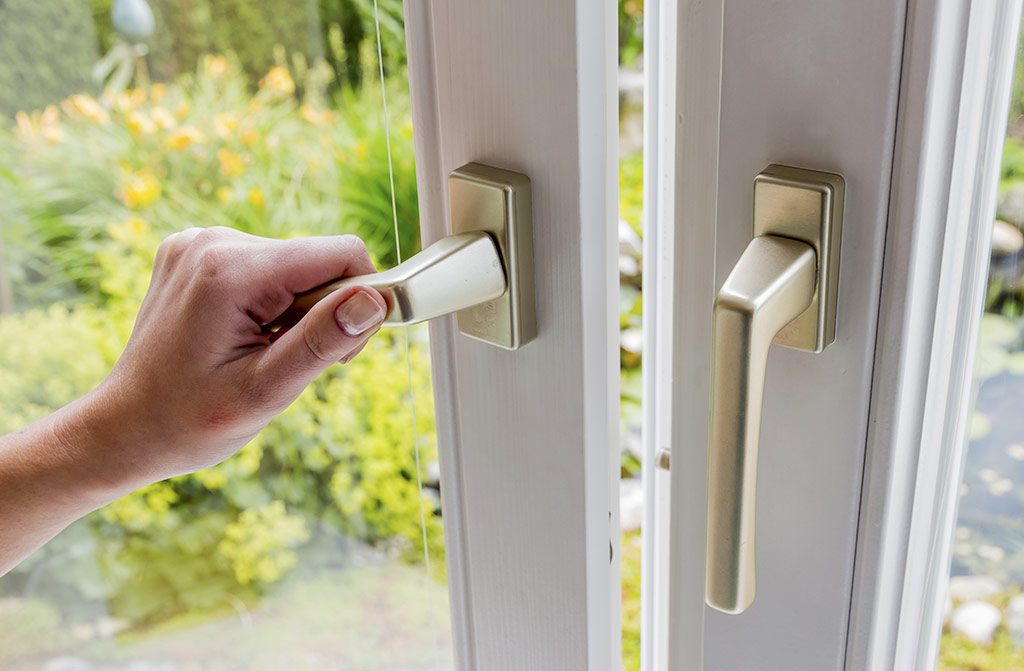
(959, 60)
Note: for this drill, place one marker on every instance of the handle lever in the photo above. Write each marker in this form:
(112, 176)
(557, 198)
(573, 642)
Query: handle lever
(771, 285)
(783, 290)
(452, 274)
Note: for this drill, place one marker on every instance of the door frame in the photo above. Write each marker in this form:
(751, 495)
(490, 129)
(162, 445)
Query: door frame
(528, 440)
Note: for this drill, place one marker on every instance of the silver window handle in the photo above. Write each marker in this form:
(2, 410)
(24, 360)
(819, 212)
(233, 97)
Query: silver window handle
(783, 289)
(483, 271)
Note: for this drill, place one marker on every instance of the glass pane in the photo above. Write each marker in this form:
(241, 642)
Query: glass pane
(122, 121)
(984, 627)
(631, 202)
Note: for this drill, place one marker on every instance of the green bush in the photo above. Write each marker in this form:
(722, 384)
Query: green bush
(46, 49)
(341, 32)
(206, 150)
(86, 194)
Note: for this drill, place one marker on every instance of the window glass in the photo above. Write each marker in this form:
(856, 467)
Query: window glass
(122, 121)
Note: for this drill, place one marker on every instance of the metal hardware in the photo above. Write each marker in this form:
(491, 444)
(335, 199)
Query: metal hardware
(498, 202)
(451, 274)
(664, 459)
(483, 271)
(782, 290)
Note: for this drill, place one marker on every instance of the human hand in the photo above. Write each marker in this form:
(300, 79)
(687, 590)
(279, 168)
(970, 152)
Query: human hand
(199, 376)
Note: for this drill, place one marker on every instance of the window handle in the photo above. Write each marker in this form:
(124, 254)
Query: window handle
(454, 273)
(783, 290)
(483, 271)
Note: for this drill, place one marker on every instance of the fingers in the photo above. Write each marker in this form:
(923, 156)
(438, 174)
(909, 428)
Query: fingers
(334, 330)
(304, 263)
(262, 273)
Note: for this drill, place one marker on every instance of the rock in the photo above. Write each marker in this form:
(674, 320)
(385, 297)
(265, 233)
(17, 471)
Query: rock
(1006, 239)
(630, 243)
(1010, 205)
(631, 504)
(1015, 619)
(67, 664)
(977, 620)
(632, 340)
(973, 588)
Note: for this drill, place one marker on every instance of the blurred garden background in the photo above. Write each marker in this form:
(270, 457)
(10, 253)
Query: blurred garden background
(122, 122)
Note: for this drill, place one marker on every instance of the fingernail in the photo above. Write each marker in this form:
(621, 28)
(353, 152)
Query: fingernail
(358, 314)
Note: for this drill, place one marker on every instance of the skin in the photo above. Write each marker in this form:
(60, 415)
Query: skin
(198, 379)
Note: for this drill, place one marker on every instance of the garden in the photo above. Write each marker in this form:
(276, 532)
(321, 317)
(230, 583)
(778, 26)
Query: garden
(305, 548)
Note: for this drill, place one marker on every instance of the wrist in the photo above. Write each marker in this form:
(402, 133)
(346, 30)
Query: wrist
(93, 434)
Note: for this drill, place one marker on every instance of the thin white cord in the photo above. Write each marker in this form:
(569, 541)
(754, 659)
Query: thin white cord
(408, 359)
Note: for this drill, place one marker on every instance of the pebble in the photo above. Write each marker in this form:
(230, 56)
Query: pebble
(973, 588)
(977, 620)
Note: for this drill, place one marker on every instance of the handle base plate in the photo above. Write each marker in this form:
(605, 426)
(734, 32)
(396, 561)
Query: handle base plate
(805, 205)
(483, 198)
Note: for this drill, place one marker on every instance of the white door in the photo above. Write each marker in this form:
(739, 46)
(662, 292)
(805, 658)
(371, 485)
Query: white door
(854, 496)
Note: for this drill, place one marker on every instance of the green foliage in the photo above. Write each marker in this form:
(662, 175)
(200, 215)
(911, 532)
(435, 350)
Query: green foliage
(631, 551)
(46, 49)
(340, 32)
(29, 626)
(86, 195)
(631, 30)
(207, 150)
(959, 653)
(1013, 160)
(1017, 92)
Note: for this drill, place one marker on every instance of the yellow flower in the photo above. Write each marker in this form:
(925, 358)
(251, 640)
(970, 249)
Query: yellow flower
(139, 189)
(138, 122)
(82, 105)
(278, 82)
(256, 197)
(361, 150)
(184, 136)
(231, 164)
(128, 231)
(255, 105)
(407, 128)
(316, 118)
(43, 125)
(126, 101)
(250, 136)
(182, 110)
(163, 118)
(216, 66)
(223, 194)
(225, 124)
(158, 92)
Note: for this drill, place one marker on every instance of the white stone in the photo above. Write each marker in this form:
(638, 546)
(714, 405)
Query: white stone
(632, 340)
(973, 588)
(977, 620)
(631, 504)
(1000, 487)
(1006, 239)
(1015, 619)
(992, 553)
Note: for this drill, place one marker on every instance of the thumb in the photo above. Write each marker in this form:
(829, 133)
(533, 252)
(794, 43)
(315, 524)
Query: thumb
(335, 328)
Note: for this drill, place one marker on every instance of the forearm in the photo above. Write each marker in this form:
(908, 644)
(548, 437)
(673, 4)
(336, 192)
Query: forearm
(51, 474)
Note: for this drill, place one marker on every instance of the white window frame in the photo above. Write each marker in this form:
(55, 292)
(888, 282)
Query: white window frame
(528, 440)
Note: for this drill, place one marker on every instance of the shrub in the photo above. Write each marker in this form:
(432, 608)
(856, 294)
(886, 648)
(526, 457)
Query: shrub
(203, 151)
(46, 49)
(86, 194)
